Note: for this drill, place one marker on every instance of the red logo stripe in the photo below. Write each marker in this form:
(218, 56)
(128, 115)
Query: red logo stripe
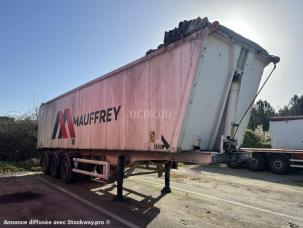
(71, 129)
(61, 119)
(62, 125)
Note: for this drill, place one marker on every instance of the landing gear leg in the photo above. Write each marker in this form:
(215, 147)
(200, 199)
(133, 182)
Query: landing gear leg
(166, 188)
(120, 176)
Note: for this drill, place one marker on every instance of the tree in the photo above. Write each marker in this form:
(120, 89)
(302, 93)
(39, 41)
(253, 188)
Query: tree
(256, 139)
(260, 115)
(19, 140)
(18, 137)
(294, 108)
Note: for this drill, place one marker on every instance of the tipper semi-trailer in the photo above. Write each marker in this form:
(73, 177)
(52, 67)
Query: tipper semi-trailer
(181, 102)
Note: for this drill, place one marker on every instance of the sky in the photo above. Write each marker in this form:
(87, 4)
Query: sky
(48, 47)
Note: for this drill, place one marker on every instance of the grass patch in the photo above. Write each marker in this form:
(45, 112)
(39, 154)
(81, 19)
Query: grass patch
(13, 167)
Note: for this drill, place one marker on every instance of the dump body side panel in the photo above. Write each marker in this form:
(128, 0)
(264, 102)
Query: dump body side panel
(205, 119)
(130, 110)
(208, 94)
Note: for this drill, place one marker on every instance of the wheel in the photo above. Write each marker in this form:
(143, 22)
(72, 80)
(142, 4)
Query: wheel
(235, 165)
(45, 162)
(278, 164)
(66, 169)
(55, 165)
(257, 162)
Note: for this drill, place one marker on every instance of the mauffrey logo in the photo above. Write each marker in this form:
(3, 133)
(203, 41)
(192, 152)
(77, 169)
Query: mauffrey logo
(62, 118)
(82, 120)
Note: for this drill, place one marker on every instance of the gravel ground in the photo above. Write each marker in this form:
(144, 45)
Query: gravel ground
(201, 197)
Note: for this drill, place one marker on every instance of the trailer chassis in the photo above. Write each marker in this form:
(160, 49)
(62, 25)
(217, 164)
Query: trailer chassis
(111, 166)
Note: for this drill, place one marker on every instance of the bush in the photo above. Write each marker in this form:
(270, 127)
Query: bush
(11, 167)
(256, 139)
(19, 141)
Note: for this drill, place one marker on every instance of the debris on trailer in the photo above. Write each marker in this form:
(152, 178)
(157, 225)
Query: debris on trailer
(184, 29)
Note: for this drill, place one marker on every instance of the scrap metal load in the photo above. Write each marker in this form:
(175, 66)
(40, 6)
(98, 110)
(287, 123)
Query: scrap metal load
(179, 102)
(184, 29)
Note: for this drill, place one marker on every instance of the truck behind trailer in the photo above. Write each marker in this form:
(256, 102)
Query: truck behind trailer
(180, 102)
(286, 134)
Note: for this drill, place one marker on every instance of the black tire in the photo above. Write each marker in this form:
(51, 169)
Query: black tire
(235, 165)
(55, 165)
(278, 164)
(45, 163)
(257, 163)
(66, 169)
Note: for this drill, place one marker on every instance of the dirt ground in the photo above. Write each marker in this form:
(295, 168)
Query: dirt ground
(201, 197)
